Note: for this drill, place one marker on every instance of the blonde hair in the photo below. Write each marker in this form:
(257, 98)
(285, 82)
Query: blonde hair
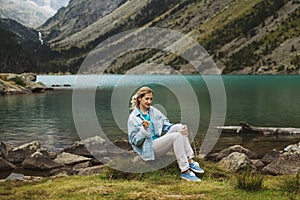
(140, 93)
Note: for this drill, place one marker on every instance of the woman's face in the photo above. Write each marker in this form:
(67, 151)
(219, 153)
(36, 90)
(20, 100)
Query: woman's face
(145, 101)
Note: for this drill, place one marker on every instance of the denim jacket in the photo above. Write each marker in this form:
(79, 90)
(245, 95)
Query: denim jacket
(141, 139)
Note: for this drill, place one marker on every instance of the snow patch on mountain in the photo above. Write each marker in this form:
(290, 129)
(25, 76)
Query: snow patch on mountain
(32, 13)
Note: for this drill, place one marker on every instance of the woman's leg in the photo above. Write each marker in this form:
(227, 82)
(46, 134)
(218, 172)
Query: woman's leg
(187, 146)
(181, 147)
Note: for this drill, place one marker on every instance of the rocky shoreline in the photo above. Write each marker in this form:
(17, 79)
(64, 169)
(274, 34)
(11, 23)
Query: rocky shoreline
(20, 84)
(34, 161)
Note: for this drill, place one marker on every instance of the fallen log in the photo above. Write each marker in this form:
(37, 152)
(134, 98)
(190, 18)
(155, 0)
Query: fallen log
(244, 127)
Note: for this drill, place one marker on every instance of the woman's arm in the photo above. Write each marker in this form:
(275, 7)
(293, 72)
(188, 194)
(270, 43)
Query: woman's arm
(137, 133)
(166, 124)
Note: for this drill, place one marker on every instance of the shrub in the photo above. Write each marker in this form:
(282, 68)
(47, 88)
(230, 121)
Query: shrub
(249, 181)
(18, 80)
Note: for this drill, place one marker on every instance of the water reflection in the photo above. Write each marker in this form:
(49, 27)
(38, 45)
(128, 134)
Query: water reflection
(44, 117)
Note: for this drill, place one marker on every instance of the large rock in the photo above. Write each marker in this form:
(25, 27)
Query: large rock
(91, 170)
(18, 154)
(123, 144)
(36, 87)
(211, 157)
(70, 159)
(258, 164)
(6, 165)
(285, 163)
(3, 150)
(12, 88)
(293, 148)
(39, 160)
(65, 170)
(28, 77)
(270, 157)
(83, 165)
(236, 148)
(20, 84)
(237, 162)
(88, 147)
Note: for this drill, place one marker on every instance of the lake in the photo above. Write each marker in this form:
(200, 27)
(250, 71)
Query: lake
(258, 100)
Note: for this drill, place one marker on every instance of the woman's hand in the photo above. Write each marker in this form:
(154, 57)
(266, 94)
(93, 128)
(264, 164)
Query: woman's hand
(184, 130)
(146, 124)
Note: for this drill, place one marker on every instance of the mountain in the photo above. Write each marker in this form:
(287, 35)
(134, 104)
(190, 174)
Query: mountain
(77, 16)
(243, 37)
(77, 43)
(32, 13)
(22, 50)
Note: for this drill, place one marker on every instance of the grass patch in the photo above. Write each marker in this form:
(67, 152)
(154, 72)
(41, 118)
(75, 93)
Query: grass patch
(249, 181)
(161, 184)
(291, 186)
(225, 17)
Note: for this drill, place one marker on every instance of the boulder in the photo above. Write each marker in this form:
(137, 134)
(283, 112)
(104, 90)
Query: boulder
(70, 159)
(258, 164)
(12, 88)
(36, 87)
(270, 157)
(18, 154)
(123, 144)
(66, 170)
(14, 176)
(20, 84)
(293, 148)
(236, 148)
(237, 162)
(39, 160)
(91, 170)
(28, 76)
(20, 177)
(211, 157)
(82, 165)
(9, 76)
(88, 147)
(3, 150)
(29, 80)
(286, 163)
(6, 165)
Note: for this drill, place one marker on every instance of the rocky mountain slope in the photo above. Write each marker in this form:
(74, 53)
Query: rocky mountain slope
(242, 36)
(75, 17)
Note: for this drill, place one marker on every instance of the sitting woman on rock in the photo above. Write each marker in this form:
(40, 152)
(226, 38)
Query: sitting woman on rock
(145, 127)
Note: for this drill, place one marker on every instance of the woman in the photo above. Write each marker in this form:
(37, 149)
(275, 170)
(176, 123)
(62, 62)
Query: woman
(145, 127)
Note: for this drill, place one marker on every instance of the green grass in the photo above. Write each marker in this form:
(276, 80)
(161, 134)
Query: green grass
(162, 184)
(291, 186)
(226, 16)
(249, 181)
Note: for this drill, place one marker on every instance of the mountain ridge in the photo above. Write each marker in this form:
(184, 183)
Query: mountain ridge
(75, 17)
(233, 32)
(241, 36)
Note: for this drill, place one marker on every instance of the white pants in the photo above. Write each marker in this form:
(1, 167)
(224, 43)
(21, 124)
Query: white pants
(181, 146)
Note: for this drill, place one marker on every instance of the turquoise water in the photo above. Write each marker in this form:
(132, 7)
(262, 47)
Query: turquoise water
(257, 100)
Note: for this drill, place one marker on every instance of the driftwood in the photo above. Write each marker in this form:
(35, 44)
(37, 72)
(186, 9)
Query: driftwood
(244, 127)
